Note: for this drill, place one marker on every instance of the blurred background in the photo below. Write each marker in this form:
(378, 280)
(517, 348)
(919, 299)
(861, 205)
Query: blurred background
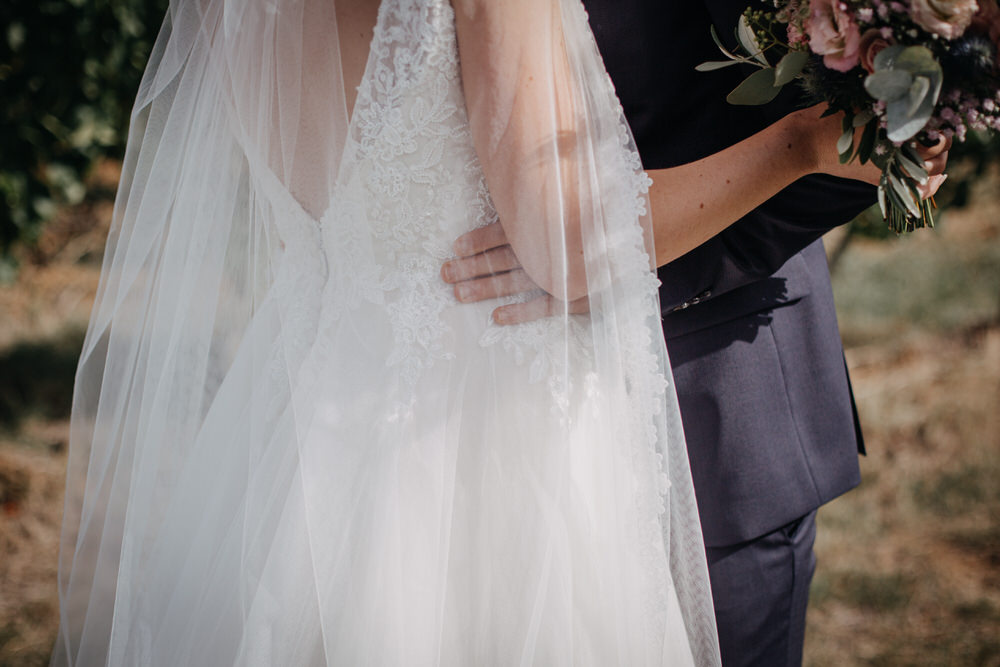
(909, 563)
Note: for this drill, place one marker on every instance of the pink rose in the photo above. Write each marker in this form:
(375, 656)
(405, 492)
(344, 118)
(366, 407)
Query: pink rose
(872, 42)
(948, 18)
(833, 34)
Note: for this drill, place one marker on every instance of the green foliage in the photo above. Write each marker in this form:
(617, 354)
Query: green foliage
(38, 378)
(908, 79)
(69, 71)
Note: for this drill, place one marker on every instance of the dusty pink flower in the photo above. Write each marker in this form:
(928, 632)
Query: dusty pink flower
(793, 14)
(872, 42)
(833, 34)
(948, 18)
(795, 36)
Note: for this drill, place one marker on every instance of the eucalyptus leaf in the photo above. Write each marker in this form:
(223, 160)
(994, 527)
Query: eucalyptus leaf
(790, 66)
(867, 143)
(888, 84)
(916, 59)
(744, 33)
(758, 88)
(903, 125)
(846, 141)
(890, 193)
(716, 64)
(913, 169)
(896, 208)
(863, 118)
(910, 150)
(907, 114)
(886, 58)
(904, 193)
(718, 43)
(918, 91)
(881, 199)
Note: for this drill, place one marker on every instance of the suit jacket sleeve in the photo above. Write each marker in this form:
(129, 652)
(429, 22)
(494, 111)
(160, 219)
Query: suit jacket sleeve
(760, 243)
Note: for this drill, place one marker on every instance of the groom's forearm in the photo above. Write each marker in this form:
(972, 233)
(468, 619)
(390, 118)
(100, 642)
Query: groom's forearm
(694, 202)
(760, 243)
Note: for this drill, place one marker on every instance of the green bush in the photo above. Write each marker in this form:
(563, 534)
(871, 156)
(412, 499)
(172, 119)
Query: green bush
(69, 72)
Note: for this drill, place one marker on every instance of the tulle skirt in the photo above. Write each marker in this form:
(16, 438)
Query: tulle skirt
(473, 516)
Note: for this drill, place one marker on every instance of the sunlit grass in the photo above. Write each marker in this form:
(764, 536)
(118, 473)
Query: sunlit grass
(909, 563)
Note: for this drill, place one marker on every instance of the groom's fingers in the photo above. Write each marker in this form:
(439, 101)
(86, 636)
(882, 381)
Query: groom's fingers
(495, 260)
(930, 188)
(943, 145)
(936, 164)
(492, 287)
(543, 306)
(480, 240)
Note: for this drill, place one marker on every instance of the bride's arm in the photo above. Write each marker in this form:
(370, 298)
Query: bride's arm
(517, 84)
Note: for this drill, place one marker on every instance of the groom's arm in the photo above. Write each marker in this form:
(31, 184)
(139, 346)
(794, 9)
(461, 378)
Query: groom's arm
(758, 183)
(761, 242)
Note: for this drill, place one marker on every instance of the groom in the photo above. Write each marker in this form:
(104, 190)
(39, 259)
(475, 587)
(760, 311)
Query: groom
(751, 330)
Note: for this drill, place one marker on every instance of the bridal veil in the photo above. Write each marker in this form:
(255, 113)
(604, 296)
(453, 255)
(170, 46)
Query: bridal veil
(291, 445)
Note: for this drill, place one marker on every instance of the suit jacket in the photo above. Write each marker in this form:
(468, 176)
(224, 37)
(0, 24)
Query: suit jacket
(749, 316)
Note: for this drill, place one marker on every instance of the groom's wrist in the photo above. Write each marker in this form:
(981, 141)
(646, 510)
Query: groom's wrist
(807, 134)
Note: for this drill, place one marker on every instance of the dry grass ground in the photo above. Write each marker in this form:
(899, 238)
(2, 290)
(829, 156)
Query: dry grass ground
(909, 563)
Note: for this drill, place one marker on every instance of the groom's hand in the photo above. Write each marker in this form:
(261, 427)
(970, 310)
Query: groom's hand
(487, 268)
(823, 133)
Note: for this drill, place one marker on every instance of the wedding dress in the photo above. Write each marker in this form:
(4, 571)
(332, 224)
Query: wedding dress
(291, 445)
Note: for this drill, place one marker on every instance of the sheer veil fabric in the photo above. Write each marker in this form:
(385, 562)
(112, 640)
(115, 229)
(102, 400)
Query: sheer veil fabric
(291, 445)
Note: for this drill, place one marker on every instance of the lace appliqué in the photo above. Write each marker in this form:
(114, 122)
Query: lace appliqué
(410, 131)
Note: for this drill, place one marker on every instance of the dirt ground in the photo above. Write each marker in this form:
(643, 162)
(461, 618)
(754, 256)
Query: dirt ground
(909, 563)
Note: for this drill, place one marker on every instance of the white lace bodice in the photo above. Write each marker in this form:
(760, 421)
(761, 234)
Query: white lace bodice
(410, 184)
(410, 179)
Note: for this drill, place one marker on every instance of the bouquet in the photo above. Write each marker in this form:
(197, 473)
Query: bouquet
(899, 71)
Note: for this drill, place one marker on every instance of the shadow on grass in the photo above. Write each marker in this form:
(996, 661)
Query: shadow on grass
(29, 657)
(863, 590)
(36, 378)
(955, 492)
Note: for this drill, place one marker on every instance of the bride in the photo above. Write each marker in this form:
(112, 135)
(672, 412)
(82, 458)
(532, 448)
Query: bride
(290, 444)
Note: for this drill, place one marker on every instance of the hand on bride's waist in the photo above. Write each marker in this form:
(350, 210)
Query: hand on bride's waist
(487, 268)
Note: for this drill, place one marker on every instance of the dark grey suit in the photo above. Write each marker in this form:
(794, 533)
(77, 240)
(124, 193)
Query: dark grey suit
(750, 325)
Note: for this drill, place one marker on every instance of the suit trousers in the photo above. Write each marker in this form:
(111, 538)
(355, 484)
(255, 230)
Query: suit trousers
(761, 591)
